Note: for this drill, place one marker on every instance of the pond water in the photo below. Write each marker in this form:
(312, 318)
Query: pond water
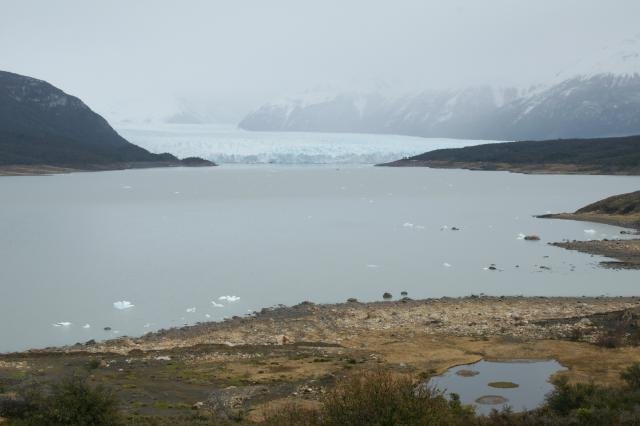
(139, 250)
(488, 385)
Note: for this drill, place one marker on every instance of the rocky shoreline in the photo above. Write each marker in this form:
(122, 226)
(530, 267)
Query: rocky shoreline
(44, 169)
(532, 168)
(620, 210)
(285, 354)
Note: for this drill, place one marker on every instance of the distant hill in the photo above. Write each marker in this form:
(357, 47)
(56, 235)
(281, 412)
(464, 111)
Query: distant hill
(619, 210)
(40, 125)
(599, 97)
(589, 156)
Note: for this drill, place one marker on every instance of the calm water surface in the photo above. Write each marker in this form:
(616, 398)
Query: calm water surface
(171, 241)
(532, 378)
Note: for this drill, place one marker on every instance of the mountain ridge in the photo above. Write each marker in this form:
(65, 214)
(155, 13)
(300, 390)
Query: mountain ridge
(599, 97)
(40, 125)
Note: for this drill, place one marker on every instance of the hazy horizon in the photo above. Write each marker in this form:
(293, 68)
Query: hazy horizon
(236, 55)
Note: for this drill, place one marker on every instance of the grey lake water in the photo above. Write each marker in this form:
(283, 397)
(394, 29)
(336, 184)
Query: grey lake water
(531, 378)
(140, 250)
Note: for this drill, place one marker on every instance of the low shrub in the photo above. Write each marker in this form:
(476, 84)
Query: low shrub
(70, 402)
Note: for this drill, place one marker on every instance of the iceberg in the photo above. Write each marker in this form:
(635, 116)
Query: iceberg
(123, 304)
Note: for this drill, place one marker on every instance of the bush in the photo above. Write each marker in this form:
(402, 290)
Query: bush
(632, 376)
(70, 402)
(379, 398)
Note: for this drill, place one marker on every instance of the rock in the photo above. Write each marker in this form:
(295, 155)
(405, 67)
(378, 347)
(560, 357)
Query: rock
(198, 405)
(531, 238)
(387, 295)
(453, 228)
(492, 268)
(229, 403)
(491, 400)
(585, 321)
(467, 373)
(404, 293)
(503, 385)
(282, 339)
(107, 329)
(352, 300)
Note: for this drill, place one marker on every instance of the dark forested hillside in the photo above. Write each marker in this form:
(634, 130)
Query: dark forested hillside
(606, 155)
(42, 125)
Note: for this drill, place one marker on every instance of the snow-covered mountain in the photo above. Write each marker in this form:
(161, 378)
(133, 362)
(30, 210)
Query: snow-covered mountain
(155, 109)
(599, 96)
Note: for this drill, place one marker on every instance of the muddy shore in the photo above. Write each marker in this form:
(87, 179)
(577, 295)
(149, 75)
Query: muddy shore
(286, 354)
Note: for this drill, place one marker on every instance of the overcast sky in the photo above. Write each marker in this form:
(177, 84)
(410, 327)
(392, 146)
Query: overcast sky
(105, 51)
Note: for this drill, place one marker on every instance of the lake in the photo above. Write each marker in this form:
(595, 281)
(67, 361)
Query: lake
(172, 241)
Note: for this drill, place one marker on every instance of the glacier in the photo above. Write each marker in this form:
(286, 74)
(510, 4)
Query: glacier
(229, 144)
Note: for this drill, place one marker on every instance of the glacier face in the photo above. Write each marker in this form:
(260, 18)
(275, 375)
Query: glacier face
(228, 144)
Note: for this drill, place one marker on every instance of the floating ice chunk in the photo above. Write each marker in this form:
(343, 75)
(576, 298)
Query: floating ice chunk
(419, 227)
(589, 231)
(407, 225)
(207, 316)
(444, 227)
(126, 187)
(176, 192)
(446, 265)
(62, 324)
(216, 304)
(123, 304)
(229, 298)
(147, 325)
(521, 236)
(373, 265)
(191, 310)
(86, 326)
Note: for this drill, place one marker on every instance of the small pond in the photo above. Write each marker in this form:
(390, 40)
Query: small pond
(521, 385)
